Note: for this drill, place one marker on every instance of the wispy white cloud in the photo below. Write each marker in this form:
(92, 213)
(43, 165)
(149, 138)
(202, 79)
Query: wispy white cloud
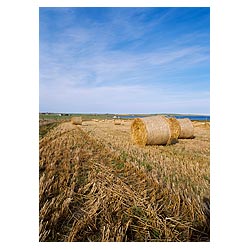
(107, 66)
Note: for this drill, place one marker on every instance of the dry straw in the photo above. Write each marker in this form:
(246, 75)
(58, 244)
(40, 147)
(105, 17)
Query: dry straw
(155, 130)
(187, 128)
(77, 120)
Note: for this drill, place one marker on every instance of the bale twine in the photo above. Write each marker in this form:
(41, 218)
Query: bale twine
(187, 128)
(154, 130)
(77, 120)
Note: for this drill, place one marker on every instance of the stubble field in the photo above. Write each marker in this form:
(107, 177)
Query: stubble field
(96, 185)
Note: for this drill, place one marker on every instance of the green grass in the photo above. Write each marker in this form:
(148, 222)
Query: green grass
(68, 117)
(97, 116)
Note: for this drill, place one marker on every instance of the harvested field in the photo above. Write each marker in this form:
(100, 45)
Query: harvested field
(96, 185)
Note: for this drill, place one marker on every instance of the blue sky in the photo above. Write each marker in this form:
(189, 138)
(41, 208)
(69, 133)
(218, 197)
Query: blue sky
(124, 60)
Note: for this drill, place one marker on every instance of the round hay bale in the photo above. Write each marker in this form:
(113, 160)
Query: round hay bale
(187, 128)
(154, 130)
(117, 122)
(77, 120)
(175, 129)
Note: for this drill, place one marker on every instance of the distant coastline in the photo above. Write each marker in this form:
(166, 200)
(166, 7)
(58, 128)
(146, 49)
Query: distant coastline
(178, 116)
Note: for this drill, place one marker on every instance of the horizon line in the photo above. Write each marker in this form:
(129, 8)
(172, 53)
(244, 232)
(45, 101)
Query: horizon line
(104, 113)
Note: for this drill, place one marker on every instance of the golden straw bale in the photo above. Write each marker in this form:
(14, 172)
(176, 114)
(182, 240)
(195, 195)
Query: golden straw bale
(175, 129)
(77, 120)
(187, 128)
(117, 122)
(154, 130)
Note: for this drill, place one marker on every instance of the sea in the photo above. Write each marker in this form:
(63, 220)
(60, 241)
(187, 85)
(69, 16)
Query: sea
(191, 117)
